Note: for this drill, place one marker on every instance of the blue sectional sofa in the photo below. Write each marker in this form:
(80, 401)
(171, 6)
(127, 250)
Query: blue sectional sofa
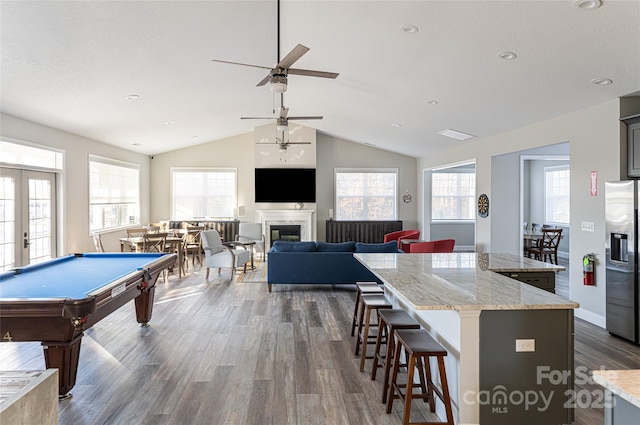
(321, 262)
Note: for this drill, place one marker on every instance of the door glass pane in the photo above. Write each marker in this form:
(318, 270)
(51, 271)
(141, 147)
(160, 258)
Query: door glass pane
(40, 226)
(7, 223)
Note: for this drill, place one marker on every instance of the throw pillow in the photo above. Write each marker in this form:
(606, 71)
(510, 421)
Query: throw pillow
(335, 247)
(386, 248)
(284, 246)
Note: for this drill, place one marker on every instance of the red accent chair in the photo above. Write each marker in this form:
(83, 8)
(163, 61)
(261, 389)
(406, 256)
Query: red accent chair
(402, 234)
(431, 247)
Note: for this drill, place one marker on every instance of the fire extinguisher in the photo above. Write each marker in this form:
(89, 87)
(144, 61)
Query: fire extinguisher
(588, 277)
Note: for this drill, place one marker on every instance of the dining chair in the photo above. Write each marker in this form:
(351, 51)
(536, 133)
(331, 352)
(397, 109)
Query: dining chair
(252, 232)
(548, 246)
(192, 244)
(136, 232)
(97, 242)
(155, 242)
(217, 255)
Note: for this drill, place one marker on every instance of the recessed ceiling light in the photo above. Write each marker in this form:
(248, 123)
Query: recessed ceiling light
(602, 81)
(432, 102)
(132, 97)
(410, 29)
(170, 122)
(458, 135)
(137, 144)
(588, 4)
(369, 144)
(508, 56)
(194, 137)
(396, 125)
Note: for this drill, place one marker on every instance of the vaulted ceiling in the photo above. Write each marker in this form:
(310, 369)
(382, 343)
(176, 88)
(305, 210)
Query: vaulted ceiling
(72, 64)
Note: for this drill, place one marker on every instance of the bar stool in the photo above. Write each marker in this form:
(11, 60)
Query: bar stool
(388, 322)
(369, 304)
(419, 346)
(363, 288)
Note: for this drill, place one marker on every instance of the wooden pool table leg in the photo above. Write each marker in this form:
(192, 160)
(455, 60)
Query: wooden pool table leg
(64, 357)
(144, 305)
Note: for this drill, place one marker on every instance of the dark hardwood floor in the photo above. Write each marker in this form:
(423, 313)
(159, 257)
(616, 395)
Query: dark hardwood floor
(229, 352)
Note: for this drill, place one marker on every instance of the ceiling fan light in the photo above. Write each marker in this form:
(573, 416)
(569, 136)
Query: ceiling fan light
(282, 125)
(282, 149)
(278, 83)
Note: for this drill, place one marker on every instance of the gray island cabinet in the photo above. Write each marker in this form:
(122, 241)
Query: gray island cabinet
(510, 344)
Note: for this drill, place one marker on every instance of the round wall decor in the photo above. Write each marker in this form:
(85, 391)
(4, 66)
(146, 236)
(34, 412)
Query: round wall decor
(483, 206)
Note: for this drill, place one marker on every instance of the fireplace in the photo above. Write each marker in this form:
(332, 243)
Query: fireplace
(304, 219)
(284, 232)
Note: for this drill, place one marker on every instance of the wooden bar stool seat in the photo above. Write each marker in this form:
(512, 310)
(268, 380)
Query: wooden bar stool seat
(369, 304)
(418, 346)
(388, 322)
(363, 288)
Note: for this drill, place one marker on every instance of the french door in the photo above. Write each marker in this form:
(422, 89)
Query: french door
(27, 217)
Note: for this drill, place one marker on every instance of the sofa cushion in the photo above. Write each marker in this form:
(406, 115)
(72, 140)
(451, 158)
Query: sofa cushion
(285, 246)
(335, 247)
(389, 247)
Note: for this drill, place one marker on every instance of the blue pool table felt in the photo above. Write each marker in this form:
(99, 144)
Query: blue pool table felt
(71, 276)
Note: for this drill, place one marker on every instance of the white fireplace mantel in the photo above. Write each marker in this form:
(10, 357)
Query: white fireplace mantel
(304, 218)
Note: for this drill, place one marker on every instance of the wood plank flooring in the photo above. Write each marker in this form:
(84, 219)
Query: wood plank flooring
(228, 352)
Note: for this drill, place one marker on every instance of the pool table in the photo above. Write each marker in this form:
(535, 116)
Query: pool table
(55, 301)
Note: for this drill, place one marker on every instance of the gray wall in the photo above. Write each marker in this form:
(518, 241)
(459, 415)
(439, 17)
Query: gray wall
(334, 153)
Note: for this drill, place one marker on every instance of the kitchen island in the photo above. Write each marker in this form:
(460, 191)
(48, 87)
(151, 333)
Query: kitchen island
(510, 344)
(622, 395)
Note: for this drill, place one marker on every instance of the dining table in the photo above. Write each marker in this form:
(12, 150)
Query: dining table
(135, 244)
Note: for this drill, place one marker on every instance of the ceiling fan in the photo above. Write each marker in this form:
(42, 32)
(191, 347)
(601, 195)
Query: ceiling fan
(284, 144)
(282, 123)
(277, 76)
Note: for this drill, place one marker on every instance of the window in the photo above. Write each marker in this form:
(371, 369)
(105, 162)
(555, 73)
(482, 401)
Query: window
(203, 193)
(114, 194)
(366, 194)
(453, 192)
(556, 188)
(30, 156)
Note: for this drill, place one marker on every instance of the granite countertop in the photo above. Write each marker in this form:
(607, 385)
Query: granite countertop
(623, 383)
(462, 281)
(501, 262)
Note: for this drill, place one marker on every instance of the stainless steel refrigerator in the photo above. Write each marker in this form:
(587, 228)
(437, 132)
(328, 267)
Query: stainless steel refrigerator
(621, 223)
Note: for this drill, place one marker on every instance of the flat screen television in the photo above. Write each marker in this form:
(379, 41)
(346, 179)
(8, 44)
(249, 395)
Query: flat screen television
(285, 185)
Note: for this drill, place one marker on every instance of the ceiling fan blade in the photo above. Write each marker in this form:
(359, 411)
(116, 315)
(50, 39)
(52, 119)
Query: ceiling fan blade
(265, 80)
(298, 143)
(257, 118)
(283, 112)
(295, 54)
(310, 73)
(317, 117)
(242, 64)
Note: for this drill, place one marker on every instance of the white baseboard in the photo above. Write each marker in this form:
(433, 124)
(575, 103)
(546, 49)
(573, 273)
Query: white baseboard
(464, 248)
(592, 318)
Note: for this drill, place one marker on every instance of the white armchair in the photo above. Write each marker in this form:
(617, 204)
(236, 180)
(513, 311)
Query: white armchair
(252, 232)
(218, 255)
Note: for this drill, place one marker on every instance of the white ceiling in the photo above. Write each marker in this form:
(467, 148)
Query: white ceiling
(70, 65)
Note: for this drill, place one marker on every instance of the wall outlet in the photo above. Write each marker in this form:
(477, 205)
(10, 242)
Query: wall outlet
(525, 345)
(588, 226)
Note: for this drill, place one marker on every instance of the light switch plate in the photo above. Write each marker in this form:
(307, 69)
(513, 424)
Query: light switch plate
(525, 345)
(588, 226)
